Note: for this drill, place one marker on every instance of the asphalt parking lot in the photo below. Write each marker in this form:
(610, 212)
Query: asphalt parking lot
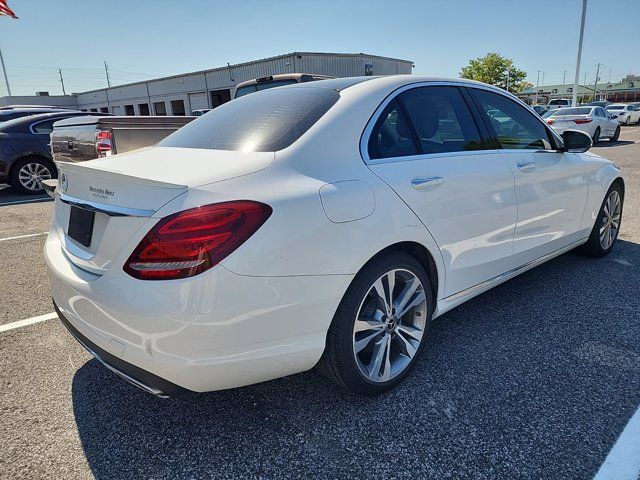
(536, 378)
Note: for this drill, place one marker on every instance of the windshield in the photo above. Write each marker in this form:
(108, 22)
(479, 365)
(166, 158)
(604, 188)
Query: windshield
(572, 111)
(616, 107)
(265, 122)
(559, 102)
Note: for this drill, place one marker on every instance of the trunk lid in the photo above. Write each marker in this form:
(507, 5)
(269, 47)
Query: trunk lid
(123, 192)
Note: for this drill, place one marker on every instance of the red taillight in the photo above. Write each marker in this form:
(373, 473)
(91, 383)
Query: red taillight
(580, 121)
(188, 243)
(550, 122)
(103, 143)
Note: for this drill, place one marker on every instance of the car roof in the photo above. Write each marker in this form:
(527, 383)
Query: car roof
(20, 121)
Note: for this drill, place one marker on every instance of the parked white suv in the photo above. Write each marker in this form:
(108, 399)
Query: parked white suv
(559, 103)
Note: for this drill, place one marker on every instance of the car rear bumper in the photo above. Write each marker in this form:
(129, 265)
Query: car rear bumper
(214, 331)
(138, 377)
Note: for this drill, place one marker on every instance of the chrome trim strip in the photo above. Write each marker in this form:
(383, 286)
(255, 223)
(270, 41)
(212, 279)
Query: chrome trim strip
(111, 210)
(512, 273)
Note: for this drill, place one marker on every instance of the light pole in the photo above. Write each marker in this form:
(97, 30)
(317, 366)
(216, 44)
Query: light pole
(574, 102)
(595, 85)
(537, 85)
(4, 70)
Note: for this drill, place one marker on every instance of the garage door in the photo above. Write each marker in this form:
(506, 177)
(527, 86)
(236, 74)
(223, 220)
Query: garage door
(198, 101)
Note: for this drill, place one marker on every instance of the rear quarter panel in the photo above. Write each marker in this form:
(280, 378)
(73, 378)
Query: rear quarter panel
(600, 173)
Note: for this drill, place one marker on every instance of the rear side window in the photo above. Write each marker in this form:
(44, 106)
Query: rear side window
(44, 127)
(267, 121)
(514, 126)
(441, 119)
(391, 137)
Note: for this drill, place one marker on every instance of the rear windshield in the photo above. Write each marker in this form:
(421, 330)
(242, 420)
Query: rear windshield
(615, 107)
(572, 111)
(266, 121)
(559, 102)
(256, 87)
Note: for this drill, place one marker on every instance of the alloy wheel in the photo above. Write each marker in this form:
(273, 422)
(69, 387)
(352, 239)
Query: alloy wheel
(32, 174)
(610, 220)
(389, 326)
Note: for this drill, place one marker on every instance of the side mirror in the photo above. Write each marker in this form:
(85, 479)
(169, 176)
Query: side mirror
(576, 141)
(613, 115)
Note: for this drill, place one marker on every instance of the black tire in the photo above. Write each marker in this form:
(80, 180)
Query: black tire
(627, 122)
(594, 246)
(596, 135)
(41, 163)
(338, 362)
(616, 135)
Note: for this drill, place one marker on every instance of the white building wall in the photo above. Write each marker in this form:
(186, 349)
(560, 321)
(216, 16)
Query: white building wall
(180, 86)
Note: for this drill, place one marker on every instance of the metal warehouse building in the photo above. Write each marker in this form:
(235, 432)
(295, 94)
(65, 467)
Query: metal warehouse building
(182, 94)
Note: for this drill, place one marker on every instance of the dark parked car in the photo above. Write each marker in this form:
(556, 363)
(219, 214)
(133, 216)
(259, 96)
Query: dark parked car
(25, 154)
(540, 110)
(10, 113)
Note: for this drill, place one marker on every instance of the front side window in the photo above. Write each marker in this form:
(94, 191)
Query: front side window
(441, 119)
(265, 122)
(513, 125)
(391, 137)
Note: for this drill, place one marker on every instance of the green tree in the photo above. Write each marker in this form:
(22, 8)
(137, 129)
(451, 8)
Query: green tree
(494, 69)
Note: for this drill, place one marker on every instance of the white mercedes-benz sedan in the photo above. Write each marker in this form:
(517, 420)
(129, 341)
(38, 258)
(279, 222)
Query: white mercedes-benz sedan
(321, 224)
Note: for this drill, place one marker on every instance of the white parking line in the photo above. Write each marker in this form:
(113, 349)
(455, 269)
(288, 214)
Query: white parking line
(22, 236)
(28, 321)
(623, 461)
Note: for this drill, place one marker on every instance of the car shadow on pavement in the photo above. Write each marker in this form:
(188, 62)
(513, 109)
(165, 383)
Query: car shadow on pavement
(533, 379)
(617, 143)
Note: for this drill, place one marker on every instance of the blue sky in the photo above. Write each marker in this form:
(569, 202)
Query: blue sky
(149, 38)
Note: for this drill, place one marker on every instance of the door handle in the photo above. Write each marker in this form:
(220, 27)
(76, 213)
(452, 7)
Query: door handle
(527, 166)
(422, 183)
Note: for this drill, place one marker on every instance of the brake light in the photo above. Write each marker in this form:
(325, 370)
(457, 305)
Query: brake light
(580, 121)
(104, 147)
(550, 122)
(188, 243)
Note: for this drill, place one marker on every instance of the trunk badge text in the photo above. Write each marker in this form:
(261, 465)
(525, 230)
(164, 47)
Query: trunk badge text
(101, 192)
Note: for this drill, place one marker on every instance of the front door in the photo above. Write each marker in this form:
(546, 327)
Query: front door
(425, 146)
(551, 185)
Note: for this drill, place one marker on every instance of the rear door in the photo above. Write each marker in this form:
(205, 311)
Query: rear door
(608, 124)
(551, 185)
(426, 146)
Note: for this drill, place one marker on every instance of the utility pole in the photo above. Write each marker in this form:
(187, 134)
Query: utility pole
(609, 74)
(595, 85)
(106, 71)
(61, 81)
(508, 80)
(577, 77)
(564, 76)
(537, 85)
(4, 70)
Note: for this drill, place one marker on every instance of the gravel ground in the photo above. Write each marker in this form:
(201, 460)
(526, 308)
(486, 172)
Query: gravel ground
(533, 379)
